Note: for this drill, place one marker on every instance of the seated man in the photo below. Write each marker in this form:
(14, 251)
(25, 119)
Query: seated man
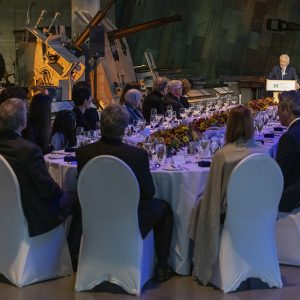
(288, 153)
(82, 98)
(44, 204)
(172, 98)
(153, 213)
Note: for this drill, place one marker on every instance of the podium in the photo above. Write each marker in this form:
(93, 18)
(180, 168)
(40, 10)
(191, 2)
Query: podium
(277, 86)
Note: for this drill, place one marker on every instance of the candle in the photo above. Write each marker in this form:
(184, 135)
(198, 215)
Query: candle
(240, 98)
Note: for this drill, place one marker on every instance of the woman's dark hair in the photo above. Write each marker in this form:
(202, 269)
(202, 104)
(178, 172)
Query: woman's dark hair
(128, 86)
(239, 124)
(40, 117)
(65, 123)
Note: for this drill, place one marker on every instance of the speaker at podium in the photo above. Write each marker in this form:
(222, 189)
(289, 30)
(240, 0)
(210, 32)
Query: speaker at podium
(277, 86)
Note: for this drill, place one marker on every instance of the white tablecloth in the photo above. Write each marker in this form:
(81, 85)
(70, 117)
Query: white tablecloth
(179, 188)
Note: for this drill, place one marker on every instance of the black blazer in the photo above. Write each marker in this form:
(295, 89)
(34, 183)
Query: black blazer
(170, 99)
(135, 158)
(290, 74)
(153, 100)
(39, 192)
(81, 120)
(288, 158)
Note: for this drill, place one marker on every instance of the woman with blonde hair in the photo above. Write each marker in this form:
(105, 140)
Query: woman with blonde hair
(205, 224)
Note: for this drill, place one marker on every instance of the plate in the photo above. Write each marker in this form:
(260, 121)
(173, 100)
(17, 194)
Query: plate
(171, 168)
(56, 155)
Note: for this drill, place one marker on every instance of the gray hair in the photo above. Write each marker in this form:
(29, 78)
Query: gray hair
(114, 120)
(160, 84)
(173, 84)
(13, 114)
(285, 56)
(133, 97)
(290, 99)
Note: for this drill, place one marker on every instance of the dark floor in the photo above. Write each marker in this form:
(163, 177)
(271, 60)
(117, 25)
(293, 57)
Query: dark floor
(178, 287)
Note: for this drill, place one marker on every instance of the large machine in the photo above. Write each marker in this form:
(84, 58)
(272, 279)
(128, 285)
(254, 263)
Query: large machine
(60, 62)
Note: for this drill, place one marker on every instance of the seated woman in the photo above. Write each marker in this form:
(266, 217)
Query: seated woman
(205, 223)
(133, 100)
(39, 122)
(63, 130)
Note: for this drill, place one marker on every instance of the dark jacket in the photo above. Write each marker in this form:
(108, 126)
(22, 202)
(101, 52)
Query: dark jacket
(81, 120)
(288, 158)
(92, 117)
(170, 99)
(39, 192)
(33, 133)
(290, 74)
(153, 100)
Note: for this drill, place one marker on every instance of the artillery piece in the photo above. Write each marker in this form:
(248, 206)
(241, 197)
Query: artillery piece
(56, 62)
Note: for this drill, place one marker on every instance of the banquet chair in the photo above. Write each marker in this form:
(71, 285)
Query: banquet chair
(25, 260)
(248, 246)
(112, 248)
(288, 238)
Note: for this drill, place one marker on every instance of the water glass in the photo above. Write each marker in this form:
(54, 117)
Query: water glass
(161, 152)
(80, 136)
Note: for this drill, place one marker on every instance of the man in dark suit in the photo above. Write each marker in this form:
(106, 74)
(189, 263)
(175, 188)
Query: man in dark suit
(173, 96)
(44, 204)
(153, 213)
(283, 71)
(154, 99)
(288, 153)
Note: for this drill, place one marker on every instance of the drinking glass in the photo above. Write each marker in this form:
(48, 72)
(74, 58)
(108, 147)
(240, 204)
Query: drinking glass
(153, 121)
(259, 121)
(213, 147)
(98, 131)
(204, 144)
(153, 112)
(136, 126)
(79, 136)
(183, 113)
(161, 152)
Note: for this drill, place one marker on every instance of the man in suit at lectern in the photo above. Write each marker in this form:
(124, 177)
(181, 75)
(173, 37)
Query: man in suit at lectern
(283, 71)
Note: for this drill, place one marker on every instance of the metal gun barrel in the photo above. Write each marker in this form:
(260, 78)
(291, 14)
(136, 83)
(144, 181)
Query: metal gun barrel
(100, 15)
(120, 33)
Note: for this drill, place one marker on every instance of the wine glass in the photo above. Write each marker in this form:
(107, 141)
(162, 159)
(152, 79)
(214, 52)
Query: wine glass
(213, 147)
(153, 121)
(153, 112)
(98, 131)
(161, 152)
(204, 144)
(183, 113)
(259, 121)
(136, 125)
(79, 136)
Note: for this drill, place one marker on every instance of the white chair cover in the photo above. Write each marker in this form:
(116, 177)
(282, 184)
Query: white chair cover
(112, 248)
(25, 260)
(248, 247)
(288, 238)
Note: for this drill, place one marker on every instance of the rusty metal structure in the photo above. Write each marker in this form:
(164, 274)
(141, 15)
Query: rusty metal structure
(59, 62)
